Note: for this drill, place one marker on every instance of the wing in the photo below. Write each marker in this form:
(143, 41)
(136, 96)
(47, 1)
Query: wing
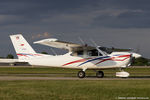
(63, 45)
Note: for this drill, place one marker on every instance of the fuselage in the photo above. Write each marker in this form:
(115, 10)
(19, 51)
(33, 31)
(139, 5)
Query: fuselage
(114, 60)
(79, 57)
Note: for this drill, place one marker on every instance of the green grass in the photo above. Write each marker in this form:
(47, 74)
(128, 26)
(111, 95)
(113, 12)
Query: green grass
(58, 72)
(73, 90)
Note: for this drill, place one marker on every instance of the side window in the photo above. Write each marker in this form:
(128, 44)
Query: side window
(100, 54)
(80, 53)
(94, 53)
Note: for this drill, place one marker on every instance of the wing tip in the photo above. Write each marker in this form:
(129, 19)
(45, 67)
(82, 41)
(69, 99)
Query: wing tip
(44, 40)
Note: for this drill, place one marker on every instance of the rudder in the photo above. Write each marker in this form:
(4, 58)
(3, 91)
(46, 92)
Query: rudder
(21, 46)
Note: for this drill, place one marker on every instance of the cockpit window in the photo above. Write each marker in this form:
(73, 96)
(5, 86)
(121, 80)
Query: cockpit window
(94, 52)
(105, 49)
(80, 53)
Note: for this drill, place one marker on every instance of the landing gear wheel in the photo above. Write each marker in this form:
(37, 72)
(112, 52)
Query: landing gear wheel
(100, 74)
(81, 74)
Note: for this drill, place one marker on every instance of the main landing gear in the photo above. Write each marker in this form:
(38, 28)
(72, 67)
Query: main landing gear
(81, 74)
(99, 74)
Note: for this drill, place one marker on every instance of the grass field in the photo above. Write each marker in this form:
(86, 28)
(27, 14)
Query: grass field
(73, 89)
(58, 72)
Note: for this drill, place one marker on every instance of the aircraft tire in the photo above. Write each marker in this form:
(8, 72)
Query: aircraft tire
(100, 74)
(81, 74)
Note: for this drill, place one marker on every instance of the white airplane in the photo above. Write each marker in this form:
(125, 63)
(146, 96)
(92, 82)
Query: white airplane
(79, 56)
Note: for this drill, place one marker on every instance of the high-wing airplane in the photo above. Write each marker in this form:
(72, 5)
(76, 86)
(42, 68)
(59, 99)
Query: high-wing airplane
(81, 57)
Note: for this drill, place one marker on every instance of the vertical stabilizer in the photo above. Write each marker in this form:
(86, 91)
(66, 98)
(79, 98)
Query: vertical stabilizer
(22, 48)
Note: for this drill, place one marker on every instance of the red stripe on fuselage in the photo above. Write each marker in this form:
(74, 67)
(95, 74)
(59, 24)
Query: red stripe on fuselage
(22, 55)
(114, 58)
(81, 60)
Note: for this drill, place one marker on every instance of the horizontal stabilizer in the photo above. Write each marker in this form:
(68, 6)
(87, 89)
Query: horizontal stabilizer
(10, 61)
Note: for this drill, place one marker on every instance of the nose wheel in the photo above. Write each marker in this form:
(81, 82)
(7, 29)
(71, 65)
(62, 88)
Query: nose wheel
(100, 74)
(81, 74)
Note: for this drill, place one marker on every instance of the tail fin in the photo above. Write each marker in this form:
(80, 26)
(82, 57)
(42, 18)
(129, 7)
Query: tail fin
(23, 49)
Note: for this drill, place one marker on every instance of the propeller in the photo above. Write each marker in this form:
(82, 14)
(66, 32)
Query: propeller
(133, 57)
(132, 60)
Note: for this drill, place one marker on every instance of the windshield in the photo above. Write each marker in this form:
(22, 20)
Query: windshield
(106, 50)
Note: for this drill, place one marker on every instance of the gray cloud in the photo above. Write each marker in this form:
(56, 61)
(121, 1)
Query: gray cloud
(121, 23)
(41, 35)
(103, 13)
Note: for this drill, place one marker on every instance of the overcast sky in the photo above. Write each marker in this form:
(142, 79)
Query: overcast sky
(118, 23)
